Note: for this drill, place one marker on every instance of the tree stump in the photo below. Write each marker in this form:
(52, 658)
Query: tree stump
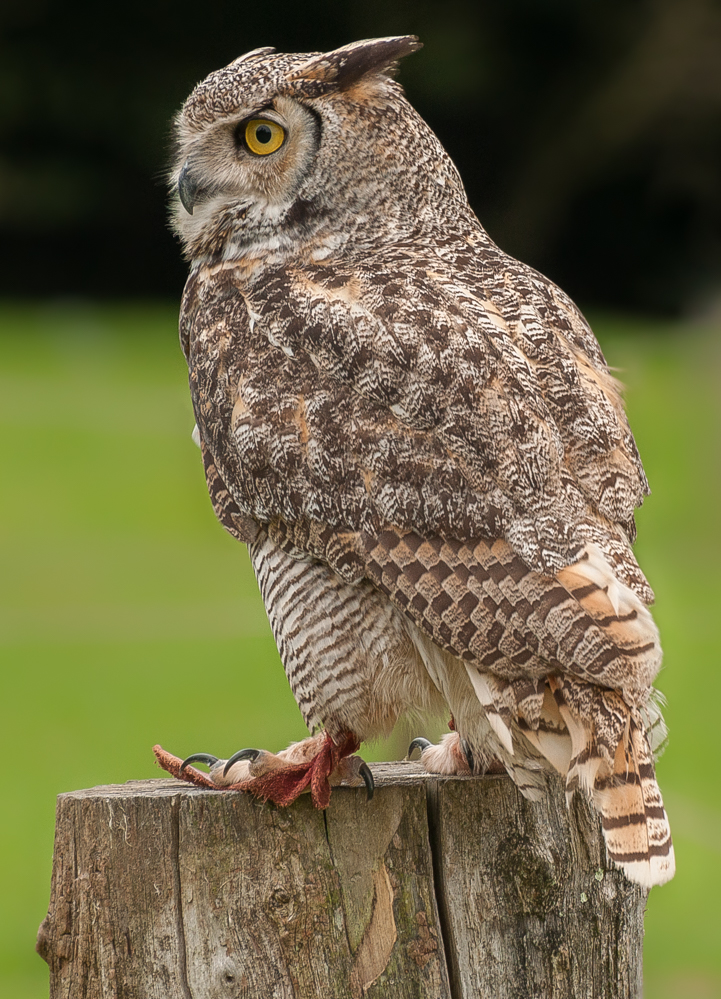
(439, 888)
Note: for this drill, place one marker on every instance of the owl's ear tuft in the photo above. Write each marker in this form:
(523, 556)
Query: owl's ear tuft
(253, 54)
(345, 66)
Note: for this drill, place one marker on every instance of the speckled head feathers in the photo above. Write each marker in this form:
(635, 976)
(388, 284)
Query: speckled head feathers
(266, 73)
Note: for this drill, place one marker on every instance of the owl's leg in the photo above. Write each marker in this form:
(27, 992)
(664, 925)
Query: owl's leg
(346, 652)
(353, 669)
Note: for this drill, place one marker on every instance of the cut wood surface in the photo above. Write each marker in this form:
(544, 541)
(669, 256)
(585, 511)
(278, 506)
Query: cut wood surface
(438, 888)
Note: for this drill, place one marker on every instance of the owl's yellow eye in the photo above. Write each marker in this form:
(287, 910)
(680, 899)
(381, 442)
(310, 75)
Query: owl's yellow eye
(263, 136)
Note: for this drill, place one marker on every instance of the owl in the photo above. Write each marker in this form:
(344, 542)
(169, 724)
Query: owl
(419, 440)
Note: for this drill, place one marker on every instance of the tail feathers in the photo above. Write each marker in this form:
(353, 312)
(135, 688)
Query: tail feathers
(622, 786)
(635, 825)
(601, 746)
(590, 734)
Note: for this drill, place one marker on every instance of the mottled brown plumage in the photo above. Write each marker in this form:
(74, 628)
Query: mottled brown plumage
(418, 438)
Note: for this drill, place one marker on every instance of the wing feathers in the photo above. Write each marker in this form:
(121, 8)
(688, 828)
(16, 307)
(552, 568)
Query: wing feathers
(486, 606)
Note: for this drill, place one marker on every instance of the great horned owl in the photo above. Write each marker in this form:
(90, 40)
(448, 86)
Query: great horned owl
(419, 440)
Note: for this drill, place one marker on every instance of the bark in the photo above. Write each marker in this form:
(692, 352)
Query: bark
(446, 888)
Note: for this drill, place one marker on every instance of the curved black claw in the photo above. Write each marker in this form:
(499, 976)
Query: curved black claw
(364, 771)
(205, 758)
(468, 753)
(419, 743)
(242, 754)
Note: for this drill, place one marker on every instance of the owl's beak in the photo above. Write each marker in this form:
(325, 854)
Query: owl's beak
(188, 188)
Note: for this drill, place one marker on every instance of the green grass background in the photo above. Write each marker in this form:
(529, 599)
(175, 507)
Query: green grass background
(129, 617)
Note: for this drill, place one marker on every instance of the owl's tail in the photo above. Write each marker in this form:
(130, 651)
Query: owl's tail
(600, 745)
(621, 782)
(635, 825)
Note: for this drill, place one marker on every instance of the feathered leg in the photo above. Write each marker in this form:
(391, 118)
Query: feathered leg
(353, 670)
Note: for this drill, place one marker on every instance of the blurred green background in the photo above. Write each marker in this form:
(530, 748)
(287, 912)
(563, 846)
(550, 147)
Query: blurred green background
(589, 137)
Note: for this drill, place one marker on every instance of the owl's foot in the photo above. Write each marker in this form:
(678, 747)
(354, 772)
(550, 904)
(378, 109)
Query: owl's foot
(452, 755)
(315, 764)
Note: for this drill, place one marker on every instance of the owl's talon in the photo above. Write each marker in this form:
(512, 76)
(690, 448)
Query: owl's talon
(242, 754)
(468, 753)
(205, 758)
(418, 743)
(365, 772)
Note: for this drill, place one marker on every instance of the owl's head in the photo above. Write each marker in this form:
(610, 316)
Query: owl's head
(279, 154)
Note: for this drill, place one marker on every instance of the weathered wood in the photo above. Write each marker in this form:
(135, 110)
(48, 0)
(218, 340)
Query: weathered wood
(446, 888)
(528, 907)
